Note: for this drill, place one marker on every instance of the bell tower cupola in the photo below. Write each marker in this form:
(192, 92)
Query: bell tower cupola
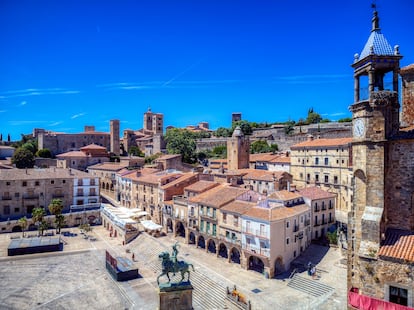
(376, 71)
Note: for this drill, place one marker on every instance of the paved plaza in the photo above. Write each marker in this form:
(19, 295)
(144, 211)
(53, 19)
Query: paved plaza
(76, 278)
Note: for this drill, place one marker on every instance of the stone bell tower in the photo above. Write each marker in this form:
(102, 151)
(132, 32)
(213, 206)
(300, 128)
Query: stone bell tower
(375, 114)
(238, 150)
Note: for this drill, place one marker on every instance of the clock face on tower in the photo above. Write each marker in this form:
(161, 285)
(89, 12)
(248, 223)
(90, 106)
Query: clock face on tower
(359, 128)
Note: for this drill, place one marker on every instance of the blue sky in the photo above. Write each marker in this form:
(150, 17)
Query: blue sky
(66, 64)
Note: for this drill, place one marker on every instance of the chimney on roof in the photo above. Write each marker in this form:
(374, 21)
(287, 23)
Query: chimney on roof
(292, 188)
(310, 138)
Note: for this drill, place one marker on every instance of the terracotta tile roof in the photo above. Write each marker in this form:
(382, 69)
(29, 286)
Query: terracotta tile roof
(218, 196)
(182, 178)
(281, 159)
(262, 157)
(156, 178)
(407, 69)
(42, 173)
(93, 146)
(170, 156)
(323, 143)
(72, 154)
(261, 175)
(284, 195)
(399, 244)
(136, 174)
(108, 166)
(203, 195)
(201, 186)
(275, 213)
(237, 207)
(314, 192)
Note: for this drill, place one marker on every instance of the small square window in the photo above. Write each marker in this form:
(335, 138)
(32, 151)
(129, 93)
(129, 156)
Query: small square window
(24, 183)
(52, 182)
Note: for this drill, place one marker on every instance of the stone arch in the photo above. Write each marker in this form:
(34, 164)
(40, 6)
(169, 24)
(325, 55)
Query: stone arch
(107, 186)
(256, 264)
(222, 250)
(235, 255)
(103, 185)
(192, 238)
(180, 229)
(201, 242)
(211, 246)
(360, 175)
(17, 228)
(279, 266)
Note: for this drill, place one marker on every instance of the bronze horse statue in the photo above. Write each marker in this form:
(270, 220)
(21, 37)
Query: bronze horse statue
(174, 266)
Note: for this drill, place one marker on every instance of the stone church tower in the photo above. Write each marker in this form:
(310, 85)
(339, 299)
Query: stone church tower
(238, 150)
(114, 134)
(381, 221)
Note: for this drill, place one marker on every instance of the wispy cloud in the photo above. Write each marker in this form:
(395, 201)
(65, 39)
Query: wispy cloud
(55, 124)
(311, 78)
(2, 111)
(161, 84)
(36, 92)
(23, 103)
(26, 122)
(77, 115)
(337, 114)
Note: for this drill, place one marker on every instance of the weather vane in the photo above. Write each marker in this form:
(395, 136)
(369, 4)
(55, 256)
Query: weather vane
(374, 5)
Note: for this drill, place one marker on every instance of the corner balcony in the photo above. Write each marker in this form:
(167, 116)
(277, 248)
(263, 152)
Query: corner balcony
(265, 252)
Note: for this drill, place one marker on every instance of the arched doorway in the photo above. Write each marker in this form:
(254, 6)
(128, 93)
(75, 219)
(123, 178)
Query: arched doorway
(17, 228)
(235, 256)
(191, 239)
(169, 226)
(279, 266)
(201, 242)
(223, 251)
(211, 246)
(179, 229)
(256, 264)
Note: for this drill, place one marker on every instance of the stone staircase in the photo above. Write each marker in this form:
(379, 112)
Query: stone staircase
(207, 293)
(310, 286)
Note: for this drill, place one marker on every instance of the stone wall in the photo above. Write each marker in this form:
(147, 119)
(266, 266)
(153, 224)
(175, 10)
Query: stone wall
(399, 185)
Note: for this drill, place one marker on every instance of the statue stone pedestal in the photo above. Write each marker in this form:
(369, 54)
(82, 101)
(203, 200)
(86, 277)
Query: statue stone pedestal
(176, 296)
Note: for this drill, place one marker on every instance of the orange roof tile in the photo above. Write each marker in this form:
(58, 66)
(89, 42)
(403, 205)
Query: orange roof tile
(276, 213)
(284, 195)
(399, 244)
(314, 192)
(281, 159)
(238, 206)
(323, 143)
(201, 186)
(72, 154)
(218, 196)
(180, 179)
(262, 175)
(93, 146)
(109, 166)
(406, 69)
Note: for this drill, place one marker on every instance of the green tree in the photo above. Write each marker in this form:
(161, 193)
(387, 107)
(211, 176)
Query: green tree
(332, 237)
(136, 151)
(313, 117)
(23, 223)
(31, 146)
(244, 126)
(23, 158)
(220, 151)
(38, 215)
(44, 153)
(274, 148)
(259, 146)
(345, 120)
(150, 159)
(222, 132)
(289, 127)
(55, 208)
(181, 141)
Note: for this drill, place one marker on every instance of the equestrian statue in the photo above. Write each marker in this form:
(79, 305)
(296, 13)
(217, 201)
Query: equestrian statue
(172, 265)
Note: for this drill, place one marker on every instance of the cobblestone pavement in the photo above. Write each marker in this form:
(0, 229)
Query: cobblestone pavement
(76, 278)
